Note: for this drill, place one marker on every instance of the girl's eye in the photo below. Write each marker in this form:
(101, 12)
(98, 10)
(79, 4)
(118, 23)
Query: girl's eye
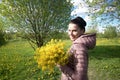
(68, 30)
(74, 30)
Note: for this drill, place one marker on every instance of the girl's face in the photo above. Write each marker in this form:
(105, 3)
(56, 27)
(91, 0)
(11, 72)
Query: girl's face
(74, 31)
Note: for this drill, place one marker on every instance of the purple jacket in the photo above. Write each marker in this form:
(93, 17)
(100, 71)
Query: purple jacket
(77, 66)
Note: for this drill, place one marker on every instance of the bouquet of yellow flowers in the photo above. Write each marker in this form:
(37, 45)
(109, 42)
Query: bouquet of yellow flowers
(51, 54)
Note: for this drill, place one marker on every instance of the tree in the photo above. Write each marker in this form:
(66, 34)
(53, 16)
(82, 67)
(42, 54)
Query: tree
(93, 28)
(110, 32)
(107, 10)
(2, 33)
(37, 18)
(107, 7)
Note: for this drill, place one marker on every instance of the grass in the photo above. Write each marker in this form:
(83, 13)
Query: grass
(17, 62)
(104, 60)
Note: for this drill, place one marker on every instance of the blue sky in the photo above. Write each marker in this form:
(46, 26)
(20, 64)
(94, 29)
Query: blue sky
(81, 9)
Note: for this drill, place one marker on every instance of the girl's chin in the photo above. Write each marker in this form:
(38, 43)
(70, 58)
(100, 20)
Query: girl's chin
(72, 39)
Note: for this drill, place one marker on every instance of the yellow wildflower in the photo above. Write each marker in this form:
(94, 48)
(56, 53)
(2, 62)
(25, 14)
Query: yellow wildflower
(51, 54)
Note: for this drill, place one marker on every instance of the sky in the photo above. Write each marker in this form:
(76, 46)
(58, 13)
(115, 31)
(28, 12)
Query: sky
(81, 9)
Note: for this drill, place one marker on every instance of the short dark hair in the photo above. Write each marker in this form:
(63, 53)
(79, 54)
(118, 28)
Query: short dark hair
(80, 22)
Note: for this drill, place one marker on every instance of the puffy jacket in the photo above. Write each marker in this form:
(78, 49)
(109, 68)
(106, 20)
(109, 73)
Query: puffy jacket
(76, 68)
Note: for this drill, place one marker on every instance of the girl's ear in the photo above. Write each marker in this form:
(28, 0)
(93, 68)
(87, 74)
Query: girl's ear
(82, 31)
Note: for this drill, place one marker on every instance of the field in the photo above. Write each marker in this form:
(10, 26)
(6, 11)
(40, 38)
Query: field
(17, 62)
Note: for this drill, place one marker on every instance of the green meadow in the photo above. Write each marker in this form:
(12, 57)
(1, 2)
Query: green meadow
(17, 62)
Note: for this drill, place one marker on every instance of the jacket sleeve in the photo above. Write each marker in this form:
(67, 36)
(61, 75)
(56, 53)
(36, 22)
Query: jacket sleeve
(78, 69)
(81, 62)
(68, 68)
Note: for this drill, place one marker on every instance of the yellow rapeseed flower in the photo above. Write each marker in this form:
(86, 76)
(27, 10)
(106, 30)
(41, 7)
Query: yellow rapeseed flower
(51, 54)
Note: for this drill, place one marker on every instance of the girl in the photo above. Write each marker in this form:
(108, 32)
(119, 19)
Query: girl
(77, 66)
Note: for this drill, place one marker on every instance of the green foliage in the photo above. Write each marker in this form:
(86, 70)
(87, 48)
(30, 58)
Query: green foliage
(39, 17)
(100, 35)
(106, 6)
(59, 35)
(106, 10)
(2, 33)
(2, 37)
(17, 62)
(92, 29)
(110, 32)
(118, 33)
(11, 36)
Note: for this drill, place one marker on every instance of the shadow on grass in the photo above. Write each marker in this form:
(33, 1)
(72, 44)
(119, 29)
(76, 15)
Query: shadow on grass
(100, 52)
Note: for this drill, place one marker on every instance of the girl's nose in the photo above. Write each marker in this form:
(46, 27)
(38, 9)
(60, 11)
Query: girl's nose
(70, 33)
